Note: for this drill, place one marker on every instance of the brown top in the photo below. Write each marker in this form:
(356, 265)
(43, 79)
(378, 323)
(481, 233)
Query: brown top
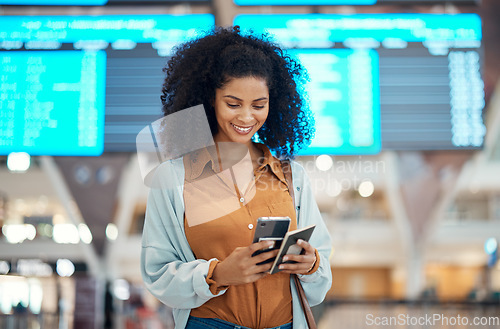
(222, 208)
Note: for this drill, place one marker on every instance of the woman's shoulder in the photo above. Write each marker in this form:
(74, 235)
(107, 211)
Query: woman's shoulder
(299, 174)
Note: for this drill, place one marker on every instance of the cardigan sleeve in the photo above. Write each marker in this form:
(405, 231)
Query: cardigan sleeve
(168, 267)
(316, 284)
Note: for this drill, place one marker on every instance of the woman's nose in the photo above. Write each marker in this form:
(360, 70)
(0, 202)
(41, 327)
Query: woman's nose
(245, 114)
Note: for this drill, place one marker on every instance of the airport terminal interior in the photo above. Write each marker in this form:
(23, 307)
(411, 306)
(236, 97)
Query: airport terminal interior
(404, 166)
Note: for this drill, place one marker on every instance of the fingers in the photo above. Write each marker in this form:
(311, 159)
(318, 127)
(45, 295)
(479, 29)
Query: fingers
(250, 268)
(256, 271)
(308, 254)
(265, 256)
(306, 245)
(250, 264)
(297, 268)
(260, 245)
(305, 261)
(302, 263)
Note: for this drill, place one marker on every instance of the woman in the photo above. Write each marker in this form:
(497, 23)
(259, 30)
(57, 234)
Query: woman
(197, 241)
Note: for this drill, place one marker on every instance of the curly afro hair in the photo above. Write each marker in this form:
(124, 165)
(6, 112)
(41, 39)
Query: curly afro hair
(200, 66)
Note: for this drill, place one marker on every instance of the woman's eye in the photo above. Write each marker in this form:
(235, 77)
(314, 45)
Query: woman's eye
(233, 106)
(259, 107)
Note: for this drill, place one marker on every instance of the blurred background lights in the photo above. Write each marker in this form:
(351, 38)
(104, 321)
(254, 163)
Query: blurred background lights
(65, 267)
(65, 233)
(33, 267)
(4, 267)
(111, 231)
(18, 161)
(30, 231)
(105, 174)
(14, 233)
(324, 162)
(36, 296)
(17, 233)
(85, 234)
(121, 289)
(45, 230)
(366, 189)
(491, 246)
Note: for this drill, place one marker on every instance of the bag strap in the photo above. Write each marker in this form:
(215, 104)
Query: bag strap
(287, 172)
(305, 304)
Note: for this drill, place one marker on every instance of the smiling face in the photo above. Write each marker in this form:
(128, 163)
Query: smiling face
(241, 108)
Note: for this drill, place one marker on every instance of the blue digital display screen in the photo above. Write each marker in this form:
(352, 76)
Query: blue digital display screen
(78, 85)
(54, 2)
(426, 83)
(71, 29)
(52, 102)
(340, 28)
(343, 93)
(302, 2)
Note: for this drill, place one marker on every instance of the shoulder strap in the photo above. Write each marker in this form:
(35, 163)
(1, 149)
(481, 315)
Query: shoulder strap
(287, 172)
(311, 324)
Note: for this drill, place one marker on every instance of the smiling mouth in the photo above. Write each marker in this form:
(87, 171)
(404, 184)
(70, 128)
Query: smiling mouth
(242, 130)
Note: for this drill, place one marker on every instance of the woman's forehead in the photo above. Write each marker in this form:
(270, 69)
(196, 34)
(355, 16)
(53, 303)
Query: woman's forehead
(247, 87)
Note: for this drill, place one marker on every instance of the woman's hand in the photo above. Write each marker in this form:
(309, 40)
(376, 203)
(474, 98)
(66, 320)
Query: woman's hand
(240, 267)
(304, 263)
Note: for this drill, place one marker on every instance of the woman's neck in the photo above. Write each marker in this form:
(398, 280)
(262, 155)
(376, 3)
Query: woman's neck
(229, 154)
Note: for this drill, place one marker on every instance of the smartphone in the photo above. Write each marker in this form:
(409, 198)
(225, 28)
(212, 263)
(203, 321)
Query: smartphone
(270, 229)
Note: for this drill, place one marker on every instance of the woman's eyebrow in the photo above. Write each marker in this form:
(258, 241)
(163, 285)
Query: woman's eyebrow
(238, 99)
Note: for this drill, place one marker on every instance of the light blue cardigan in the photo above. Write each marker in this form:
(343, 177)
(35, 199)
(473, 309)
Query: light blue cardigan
(172, 273)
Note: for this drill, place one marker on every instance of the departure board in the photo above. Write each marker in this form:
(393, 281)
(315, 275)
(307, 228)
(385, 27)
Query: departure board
(424, 71)
(343, 94)
(54, 2)
(132, 50)
(52, 102)
(302, 2)
(91, 2)
(343, 2)
(300, 30)
(429, 73)
(98, 31)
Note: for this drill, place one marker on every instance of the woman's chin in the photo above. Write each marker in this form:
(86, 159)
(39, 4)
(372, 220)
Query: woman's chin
(242, 141)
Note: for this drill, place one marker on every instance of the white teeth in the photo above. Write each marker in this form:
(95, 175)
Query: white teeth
(241, 129)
